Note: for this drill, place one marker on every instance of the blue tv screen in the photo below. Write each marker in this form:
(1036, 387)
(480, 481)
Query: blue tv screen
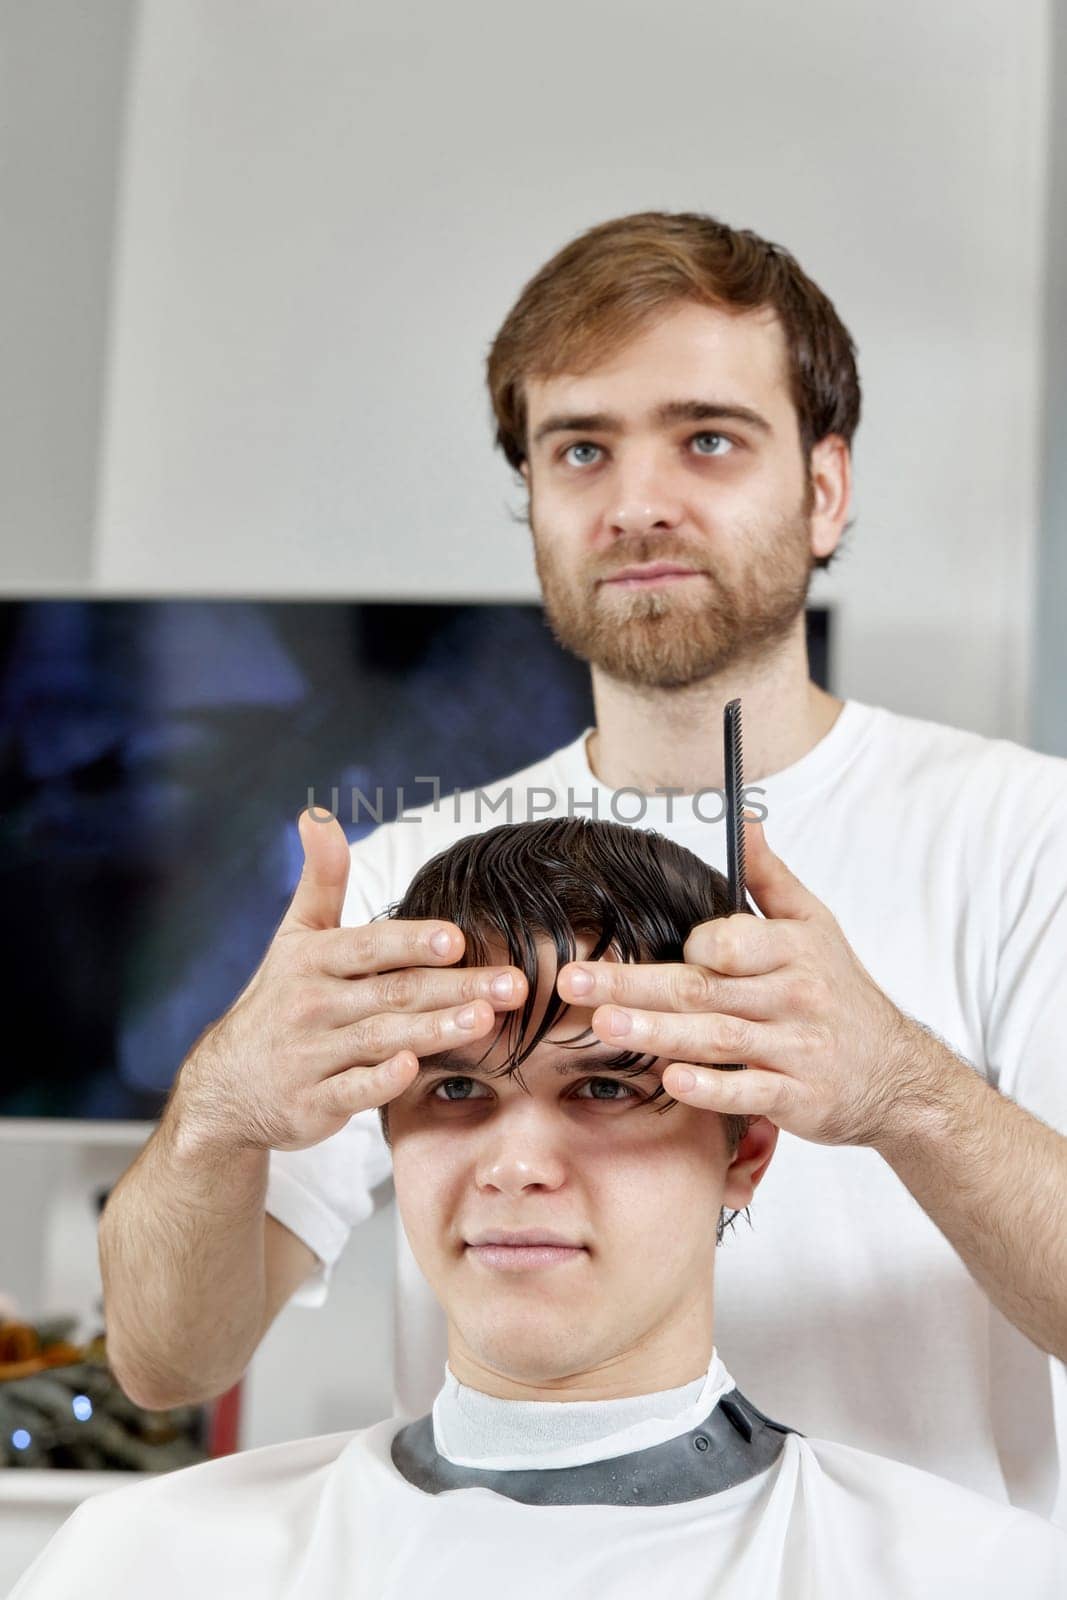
(154, 758)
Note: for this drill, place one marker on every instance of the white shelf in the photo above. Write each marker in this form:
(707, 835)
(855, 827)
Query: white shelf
(73, 1130)
(52, 1173)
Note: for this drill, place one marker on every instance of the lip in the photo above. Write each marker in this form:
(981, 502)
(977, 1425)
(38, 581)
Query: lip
(524, 1257)
(652, 572)
(522, 1249)
(522, 1236)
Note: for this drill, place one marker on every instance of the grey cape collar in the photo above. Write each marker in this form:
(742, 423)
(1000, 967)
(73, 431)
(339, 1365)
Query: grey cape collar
(735, 1442)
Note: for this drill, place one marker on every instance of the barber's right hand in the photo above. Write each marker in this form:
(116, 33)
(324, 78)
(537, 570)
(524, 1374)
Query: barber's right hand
(334, 1019)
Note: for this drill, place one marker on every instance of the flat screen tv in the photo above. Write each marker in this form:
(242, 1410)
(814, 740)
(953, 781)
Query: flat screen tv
(154, 758)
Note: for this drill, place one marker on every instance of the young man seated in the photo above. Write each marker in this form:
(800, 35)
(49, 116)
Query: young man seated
(587, 1439)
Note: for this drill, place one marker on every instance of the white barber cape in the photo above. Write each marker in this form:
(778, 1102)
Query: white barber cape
(332, 1518)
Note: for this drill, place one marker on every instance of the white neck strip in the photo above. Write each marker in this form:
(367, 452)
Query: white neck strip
(473, 1429)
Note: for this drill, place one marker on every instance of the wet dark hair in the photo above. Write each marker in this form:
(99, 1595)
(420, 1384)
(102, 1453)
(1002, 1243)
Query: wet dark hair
(634, 891)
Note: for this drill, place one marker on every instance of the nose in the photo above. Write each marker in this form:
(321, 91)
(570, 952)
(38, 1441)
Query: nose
(520, 1153)
(643, 500)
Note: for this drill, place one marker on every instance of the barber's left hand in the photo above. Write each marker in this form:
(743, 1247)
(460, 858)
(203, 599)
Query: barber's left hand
(828, 1055)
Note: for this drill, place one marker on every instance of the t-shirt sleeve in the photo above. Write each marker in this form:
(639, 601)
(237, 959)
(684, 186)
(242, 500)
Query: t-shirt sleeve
(1027, 1022)
(322, 1193)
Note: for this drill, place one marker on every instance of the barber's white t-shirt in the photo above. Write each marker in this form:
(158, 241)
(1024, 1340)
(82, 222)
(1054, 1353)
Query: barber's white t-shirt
(943, 857)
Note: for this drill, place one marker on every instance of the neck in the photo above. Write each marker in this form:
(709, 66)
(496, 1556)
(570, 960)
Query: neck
(473, 1428)
(665, 1359)
(672, 738)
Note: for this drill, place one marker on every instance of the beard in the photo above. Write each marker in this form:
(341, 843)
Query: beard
(684, 632)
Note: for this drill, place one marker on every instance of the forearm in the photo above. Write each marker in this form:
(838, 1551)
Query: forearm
(994, 1180)
(182, 1260)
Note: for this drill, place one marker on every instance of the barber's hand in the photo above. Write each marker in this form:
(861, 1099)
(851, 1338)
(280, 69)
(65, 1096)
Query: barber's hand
(829, 1057)
(334, 1019)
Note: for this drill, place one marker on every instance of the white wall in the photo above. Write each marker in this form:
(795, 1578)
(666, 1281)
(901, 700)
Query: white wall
(322, 1369)
(62, 102)
(1049, 719)
(328, 208)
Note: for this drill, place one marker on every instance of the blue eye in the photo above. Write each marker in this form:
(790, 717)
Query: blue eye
(581, 446)
(718, 436)
(464, 1088)
(598, 1085)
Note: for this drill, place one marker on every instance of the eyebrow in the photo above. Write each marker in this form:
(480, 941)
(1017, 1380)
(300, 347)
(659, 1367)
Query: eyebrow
(579, 1061)
(670, 412)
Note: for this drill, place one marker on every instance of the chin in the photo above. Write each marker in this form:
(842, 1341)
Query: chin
(531, 1349)
(535, 1369)
(658, 669)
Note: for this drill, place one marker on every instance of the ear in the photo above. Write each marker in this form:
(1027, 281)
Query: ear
(830, 472)
(524, 468)
(751, 1160)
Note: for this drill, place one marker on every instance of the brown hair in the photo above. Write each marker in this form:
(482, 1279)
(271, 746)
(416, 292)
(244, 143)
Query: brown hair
(602, 288)
(633, 890)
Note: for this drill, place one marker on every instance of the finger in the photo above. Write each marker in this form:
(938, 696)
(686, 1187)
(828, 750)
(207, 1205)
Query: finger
(410, 989)
(383, 947)
(426, 1033)
(709, 1037)
(320, 893)
(753, 1093)
(322, 1003)
(669, 986)
(743, 945)
(772, 886)
(365, 1088)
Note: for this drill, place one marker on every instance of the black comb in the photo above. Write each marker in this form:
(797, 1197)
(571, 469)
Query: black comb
(735, 784)
(735, 825)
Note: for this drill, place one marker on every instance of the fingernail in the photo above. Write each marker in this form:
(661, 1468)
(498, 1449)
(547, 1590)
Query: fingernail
(502, 986)
(684, 1080)
(619, 1022)
(467, 1017)
(441, 942)
(581, 981)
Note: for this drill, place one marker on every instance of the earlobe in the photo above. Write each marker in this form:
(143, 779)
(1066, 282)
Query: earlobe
(751, 1160)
